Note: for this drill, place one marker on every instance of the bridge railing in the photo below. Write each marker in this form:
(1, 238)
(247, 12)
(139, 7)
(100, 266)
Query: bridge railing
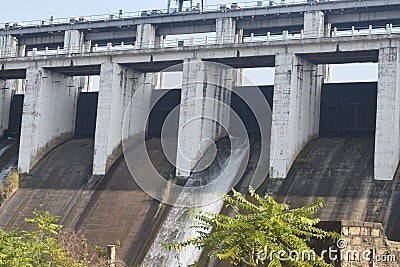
(148, 13)
(170, 43)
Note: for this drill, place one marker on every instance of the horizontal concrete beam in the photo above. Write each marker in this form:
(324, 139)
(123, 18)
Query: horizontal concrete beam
(268, 18)
(157, 58)
(78, 70)
(13, 74)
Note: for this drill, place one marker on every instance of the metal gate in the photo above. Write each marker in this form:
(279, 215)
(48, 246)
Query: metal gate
(348, 108)
(86, 114)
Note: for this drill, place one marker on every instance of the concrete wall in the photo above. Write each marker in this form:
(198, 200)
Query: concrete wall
(117, 86)
(387, 135)
(201, 118)
(48, 114)
(364, 237)
(295, 118)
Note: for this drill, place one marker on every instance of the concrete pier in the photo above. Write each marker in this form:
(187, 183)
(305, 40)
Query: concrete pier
(74, 42)
(117, 86)
(203, 115)
(314, 25)
(226, 30)
(6, 93)
(295, 117)
(146, 36)
(387, 135)
(48, 114)
(8, 46)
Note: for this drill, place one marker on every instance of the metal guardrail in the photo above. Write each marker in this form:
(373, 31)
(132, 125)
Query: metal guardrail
(150, 13)
(202, 41)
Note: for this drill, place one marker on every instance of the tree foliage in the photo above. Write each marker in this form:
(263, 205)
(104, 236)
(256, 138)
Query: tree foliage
(41, 246)
(262, 232)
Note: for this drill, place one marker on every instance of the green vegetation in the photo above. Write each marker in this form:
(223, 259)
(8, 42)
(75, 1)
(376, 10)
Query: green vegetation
(46, 245)
(259, 229)
(9, 186)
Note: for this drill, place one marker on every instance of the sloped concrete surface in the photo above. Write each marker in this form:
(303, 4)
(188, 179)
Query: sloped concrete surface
(120, 210)
(56, 184)
(340, 169)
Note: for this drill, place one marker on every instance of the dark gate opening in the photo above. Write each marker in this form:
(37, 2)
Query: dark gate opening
(244, 111)
(15, 117)
(348, 108)
(161, 109)
(86, 114)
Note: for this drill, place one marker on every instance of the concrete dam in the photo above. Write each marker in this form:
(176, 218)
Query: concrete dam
(104, 159)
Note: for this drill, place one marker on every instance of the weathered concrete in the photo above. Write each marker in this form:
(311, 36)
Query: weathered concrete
(48, 115)
(201, 119)
(387, 136)
(6, 93)
(120, 210)
(59, 183)
(146, 36)
(226, 30)
(117, 86)
(74, 41)
(340, 169)
(314, 25)
(8, 46)
(346, 13)
(295, 119)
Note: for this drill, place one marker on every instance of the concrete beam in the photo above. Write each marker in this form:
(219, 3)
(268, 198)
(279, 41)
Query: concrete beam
(343, 12)
(204, 90)
(387, 135)
(117, 87)
(48, 115)
(295, 118)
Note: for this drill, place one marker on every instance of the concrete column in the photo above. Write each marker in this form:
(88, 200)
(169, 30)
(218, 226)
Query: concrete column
(117, 86)
(201, 119)
(8, 46)
(6, 94)
(48, 115)
(295, 118)
(387, 135)
(226, 30)
(314, 25)
(146, 36)
(74, 41)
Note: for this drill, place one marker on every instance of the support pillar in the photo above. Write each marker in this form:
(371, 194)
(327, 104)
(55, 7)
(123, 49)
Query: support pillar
(146, 36)
(387, 135)
(226, 30)
(8, 46)
(117, 86)
(74, 41)
(48, 114)
(201, 119)
(314, 24)
(296, 112)
(6, 93)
